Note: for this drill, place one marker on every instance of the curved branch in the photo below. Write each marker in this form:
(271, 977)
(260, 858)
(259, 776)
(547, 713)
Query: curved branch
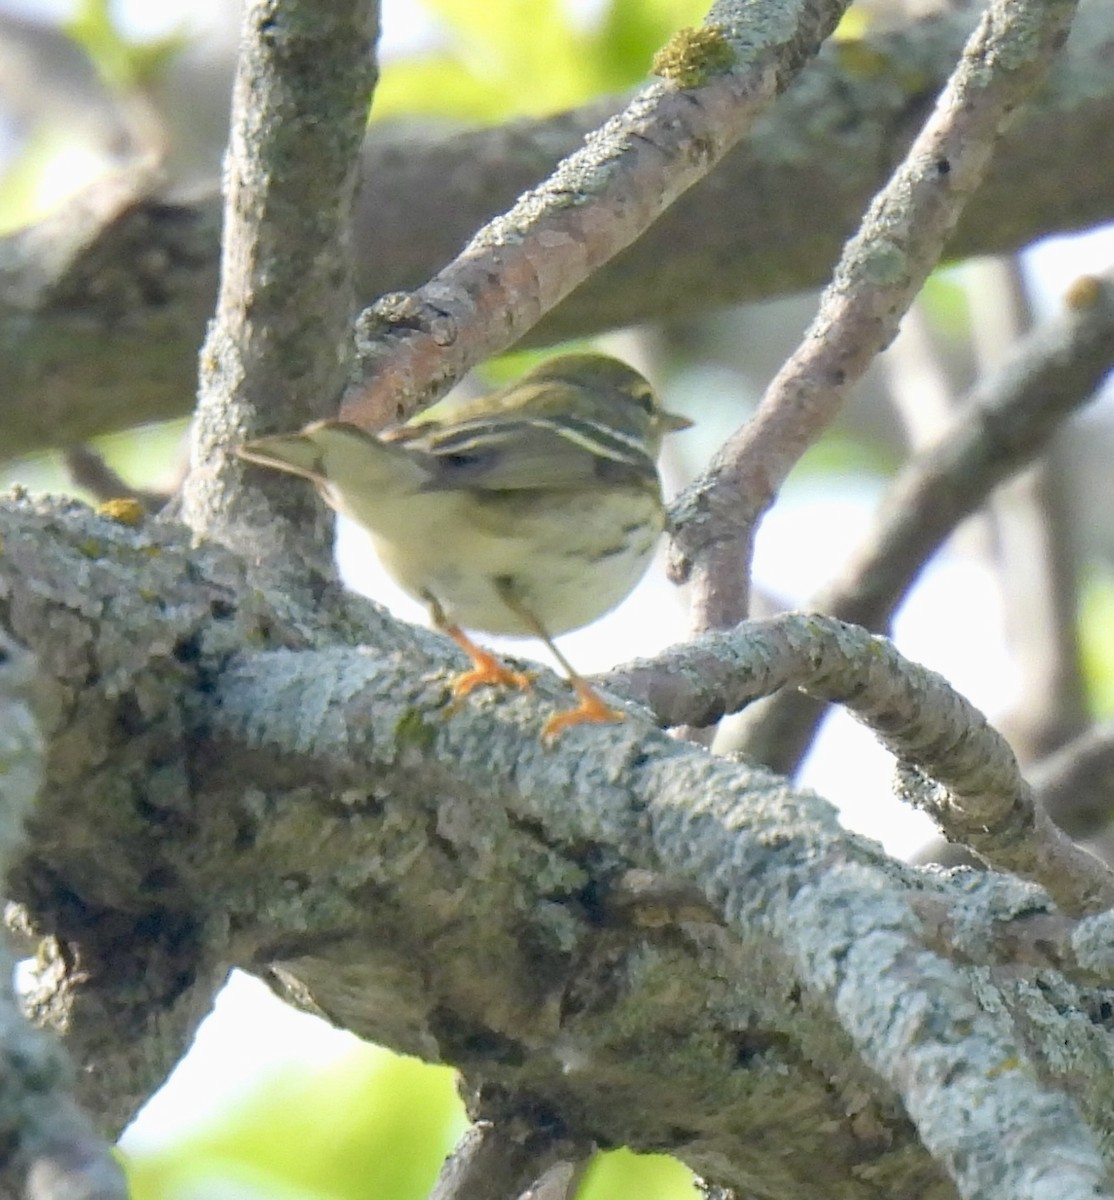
(917, 714)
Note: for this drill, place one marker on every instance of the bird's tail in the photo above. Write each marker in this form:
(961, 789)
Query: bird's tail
(337, 454)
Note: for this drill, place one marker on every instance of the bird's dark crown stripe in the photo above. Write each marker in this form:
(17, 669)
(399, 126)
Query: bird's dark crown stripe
(468, 437)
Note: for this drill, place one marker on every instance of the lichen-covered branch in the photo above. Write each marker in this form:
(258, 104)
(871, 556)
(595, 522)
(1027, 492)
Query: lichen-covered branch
(755, 849)
(984, 802)
(230, 783)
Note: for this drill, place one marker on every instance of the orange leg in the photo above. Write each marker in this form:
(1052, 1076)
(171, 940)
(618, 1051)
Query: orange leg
(590, 709)
(486, 670)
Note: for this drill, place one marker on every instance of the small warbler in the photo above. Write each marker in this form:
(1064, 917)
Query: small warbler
(531, 511)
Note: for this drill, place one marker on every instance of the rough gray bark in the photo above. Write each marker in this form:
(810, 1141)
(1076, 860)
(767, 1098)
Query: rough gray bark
(48, 1141)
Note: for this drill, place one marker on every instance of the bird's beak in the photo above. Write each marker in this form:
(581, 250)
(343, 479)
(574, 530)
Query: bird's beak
(674, 422)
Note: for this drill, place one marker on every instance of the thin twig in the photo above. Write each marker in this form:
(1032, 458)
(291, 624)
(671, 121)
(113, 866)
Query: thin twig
(882, 269)
(598, 200)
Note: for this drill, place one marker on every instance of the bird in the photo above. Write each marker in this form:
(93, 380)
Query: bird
(531, 511)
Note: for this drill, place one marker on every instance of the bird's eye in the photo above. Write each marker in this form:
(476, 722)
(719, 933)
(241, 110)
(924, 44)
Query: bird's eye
(644, 398)
(462, 461)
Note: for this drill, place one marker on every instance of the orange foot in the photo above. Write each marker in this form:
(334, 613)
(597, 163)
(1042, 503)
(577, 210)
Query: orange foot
(591, 709)
(486, 669)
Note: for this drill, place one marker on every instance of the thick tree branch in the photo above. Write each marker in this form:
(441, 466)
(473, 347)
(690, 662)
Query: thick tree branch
(882, 269)
(843, 928)
(436, 879)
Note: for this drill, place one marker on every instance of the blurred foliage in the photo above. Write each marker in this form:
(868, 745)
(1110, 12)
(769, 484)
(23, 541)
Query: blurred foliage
(1096, 639)
(504, 57)
(53, 162)
(47, 168)
(946, 300)
(840, 454)
(370, 1124)
(122, 62)
(623, 1175)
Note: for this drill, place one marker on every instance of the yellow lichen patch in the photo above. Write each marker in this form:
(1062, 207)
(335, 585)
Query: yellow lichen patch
(692, 55)
(124, 511)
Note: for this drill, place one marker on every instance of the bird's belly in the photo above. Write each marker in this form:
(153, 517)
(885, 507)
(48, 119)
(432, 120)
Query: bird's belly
(465, 550)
